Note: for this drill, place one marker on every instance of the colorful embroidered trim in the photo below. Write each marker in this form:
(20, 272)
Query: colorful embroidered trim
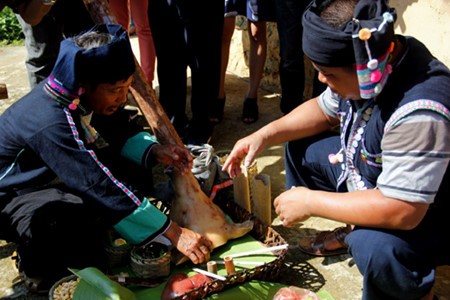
(413, 106)
(55, 90)
(371, 81)
(372, 71)
(365, 155)
(97, 161)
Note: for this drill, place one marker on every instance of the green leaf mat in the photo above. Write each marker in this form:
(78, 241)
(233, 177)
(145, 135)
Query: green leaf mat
(96, 285)
(243, 244)
(256, 290)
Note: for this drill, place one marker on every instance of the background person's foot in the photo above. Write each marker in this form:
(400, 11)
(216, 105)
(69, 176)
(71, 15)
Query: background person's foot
(250, 113)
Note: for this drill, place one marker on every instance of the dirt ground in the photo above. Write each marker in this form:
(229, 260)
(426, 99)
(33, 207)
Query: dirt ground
(337, 275)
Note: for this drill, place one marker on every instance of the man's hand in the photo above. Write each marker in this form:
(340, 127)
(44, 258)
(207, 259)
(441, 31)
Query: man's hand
(291, 206)
(247, 148)
(195, 246)
(173, 155)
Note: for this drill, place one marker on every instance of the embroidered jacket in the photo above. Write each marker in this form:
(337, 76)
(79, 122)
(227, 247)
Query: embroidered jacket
(418, 90)
(42, 140)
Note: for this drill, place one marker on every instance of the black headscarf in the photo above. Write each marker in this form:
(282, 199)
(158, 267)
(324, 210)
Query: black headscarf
(366, 40)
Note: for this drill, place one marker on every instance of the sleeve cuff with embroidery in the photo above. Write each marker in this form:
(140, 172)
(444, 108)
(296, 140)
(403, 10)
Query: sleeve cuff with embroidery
(144, 224)
(137, 149)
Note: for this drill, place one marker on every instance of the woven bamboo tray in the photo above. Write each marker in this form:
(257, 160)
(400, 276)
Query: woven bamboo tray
(261, 232)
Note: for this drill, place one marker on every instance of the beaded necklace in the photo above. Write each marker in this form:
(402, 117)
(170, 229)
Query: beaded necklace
(350, 172)
(356, 134)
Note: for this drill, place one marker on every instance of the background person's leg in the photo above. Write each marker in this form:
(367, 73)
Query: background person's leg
(147, 52)
(42, 43)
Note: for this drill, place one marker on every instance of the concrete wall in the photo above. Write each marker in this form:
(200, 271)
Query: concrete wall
(427, 20)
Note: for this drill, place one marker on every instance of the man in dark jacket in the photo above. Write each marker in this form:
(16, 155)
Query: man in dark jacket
(69, 155)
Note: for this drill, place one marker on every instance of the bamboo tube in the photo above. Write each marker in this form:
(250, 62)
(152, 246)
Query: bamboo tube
(262, 199)
(229, 265)
(250, 173)
(242, 192)
(211, 266)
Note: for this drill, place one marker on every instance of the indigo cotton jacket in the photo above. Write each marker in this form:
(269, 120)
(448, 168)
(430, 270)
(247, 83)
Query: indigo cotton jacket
(42, 140)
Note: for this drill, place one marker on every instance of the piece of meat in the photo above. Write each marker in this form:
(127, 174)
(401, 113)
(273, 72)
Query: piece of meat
(192, 209)
(294, 293)
(180, 284)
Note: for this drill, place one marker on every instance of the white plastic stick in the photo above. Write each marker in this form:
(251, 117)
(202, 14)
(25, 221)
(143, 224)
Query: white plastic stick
(256, 263)
(209, 274)
(280, 247)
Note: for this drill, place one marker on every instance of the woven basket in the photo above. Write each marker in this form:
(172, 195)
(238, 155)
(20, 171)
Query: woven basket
(117, 254)
(261, 232)
(147, 267)
(53, 293)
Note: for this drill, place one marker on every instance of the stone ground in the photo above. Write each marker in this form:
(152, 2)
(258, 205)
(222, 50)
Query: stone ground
(337, 275)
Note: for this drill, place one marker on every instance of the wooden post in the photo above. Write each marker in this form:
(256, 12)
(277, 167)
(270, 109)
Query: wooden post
(3, 91)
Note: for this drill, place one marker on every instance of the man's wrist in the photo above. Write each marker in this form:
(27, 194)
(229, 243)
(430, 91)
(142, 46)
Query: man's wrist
(173, 232)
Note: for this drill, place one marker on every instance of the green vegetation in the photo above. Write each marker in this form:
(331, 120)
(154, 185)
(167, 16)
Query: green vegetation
(10, 30)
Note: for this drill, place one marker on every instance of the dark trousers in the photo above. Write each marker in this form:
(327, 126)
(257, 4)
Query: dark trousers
(396, 264)
(54, 230)
(185, 36)
(66, 19)
(292, 65)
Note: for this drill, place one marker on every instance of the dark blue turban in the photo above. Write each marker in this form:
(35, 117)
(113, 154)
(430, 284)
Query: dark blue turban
(104, 64)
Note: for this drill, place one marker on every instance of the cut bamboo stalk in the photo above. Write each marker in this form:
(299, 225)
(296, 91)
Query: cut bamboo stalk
(229, 265)
(262, 199)
(241, 192)
(250, 173)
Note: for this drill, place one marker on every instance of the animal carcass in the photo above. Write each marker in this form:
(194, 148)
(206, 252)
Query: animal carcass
(192, 209)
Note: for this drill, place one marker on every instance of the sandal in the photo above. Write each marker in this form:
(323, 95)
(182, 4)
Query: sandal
(216, 113)
(250, 111)
(315, 245)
